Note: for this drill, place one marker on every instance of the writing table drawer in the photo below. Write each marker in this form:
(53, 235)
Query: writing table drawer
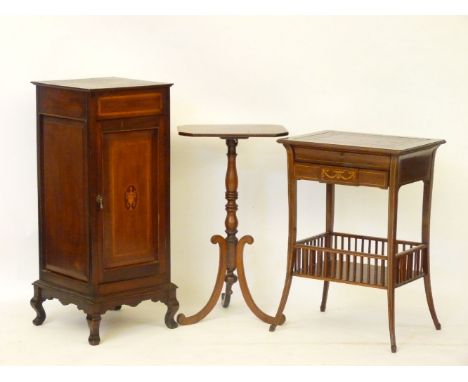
(341, 175)
(334, 158)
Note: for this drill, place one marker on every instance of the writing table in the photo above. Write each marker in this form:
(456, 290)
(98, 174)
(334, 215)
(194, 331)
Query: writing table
(354, 159)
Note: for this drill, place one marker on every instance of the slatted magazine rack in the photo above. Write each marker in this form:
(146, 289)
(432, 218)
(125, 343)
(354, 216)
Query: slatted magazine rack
(343, 158)
(356, 259)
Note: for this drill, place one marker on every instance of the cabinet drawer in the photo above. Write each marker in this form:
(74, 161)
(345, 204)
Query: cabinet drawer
(130, 105)
(380, 162)
(341, 175)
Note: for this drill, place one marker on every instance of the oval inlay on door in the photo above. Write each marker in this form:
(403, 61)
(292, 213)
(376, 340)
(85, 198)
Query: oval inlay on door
(131, 198)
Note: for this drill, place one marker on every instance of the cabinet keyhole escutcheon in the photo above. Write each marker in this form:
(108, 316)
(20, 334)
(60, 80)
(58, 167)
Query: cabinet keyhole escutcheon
(100, 202)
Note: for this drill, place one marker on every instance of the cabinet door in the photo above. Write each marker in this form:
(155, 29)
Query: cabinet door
(134, 199)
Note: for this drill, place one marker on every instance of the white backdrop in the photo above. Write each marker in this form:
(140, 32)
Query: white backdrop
(389, 75)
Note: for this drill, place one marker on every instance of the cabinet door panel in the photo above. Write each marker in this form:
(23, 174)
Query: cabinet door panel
(63, 187)
(130, 213)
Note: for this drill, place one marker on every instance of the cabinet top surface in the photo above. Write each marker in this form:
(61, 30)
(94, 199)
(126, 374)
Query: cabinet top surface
(361, 142)
(233, 131)
(100, 83)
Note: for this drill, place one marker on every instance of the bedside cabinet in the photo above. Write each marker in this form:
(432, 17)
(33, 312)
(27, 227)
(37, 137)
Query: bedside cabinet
(103, 180)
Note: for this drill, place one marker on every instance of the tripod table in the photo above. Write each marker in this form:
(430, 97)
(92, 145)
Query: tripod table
(230, 247)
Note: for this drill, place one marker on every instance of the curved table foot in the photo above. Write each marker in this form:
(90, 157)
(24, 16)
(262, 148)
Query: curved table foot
(230, 279)
(245, 288)
(36, 304)
(284, 299)
(430, 301)
(279, 319)
(184, 320)
(226, 297)
(94, 320)
(172, 308)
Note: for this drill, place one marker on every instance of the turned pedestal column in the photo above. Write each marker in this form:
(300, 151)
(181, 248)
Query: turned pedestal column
(231, 249)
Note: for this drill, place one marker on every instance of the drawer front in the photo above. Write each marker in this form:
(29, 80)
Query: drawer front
(130, 105)
(341, 175)
(373, 178)
(381, 162)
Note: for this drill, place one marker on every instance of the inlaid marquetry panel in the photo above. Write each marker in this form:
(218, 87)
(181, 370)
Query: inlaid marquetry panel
(130, 105)
(130, 207)
(341, 175)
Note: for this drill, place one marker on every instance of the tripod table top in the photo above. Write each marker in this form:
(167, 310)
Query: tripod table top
(233, 131)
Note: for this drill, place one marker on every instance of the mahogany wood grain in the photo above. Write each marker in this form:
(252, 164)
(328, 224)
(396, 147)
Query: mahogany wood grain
(350, 142)
(377, 162)
(425, 238)
(61, 102)
(392, 247)
(130, 234)
(329, 222)
(232, 131)
(129, 104)
(231, 248)
(103, 176)
(231, 221)
(65, 243)
(101, 83)
(218, 287)
(292, 238)
(355, 159)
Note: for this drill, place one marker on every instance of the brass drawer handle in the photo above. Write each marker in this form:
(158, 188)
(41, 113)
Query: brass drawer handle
(344, 175)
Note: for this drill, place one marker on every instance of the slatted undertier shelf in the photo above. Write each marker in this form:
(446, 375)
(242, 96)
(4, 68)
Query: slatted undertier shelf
(356, 259)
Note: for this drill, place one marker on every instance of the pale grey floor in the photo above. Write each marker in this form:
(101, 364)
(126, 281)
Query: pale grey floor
(353, 331)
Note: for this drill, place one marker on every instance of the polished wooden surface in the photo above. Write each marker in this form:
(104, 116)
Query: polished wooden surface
(231, 249)
(359, 142)
(130, 103)
(100, 83)
(62, 103)
(103, 176)
(63, 174)
(129, 219)
(233, 131)
(354, 159)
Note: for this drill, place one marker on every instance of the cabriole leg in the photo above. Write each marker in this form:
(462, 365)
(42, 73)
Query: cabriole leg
(36, 303)
(172, 308)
